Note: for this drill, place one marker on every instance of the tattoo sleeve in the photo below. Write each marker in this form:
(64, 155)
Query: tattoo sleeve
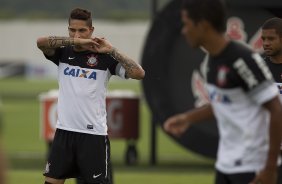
(55, 41)
(129, 65)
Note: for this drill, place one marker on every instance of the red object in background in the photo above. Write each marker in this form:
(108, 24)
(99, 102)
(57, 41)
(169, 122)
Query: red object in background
(122, 114)
(48, 114)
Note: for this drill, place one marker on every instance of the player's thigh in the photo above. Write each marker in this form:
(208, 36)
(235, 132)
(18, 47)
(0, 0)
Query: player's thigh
(243, 178)
(93, 158)
(221, 178)
(61, 161)
(240, 178)
(54, 181)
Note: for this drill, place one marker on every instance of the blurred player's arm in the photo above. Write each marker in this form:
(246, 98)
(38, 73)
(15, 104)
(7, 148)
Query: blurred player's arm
(269, 173)
(2, 165)
(179, 123)
(48, 44)
(275, 131)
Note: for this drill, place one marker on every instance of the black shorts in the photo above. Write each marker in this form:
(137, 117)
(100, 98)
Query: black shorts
(240, 178)
(79, 155)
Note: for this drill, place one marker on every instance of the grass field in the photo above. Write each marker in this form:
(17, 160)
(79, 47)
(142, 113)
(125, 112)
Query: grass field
(26, 150)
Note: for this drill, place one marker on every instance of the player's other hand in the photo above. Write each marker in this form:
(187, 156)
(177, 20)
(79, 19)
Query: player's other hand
(102, 45)
(88, 44)
(177, 124)
(268, 176)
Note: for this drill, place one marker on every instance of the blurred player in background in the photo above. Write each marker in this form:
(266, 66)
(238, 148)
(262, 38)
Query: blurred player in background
(272, 44)
(2, 165)
(81, 146)
(3, 162)
(243, 99)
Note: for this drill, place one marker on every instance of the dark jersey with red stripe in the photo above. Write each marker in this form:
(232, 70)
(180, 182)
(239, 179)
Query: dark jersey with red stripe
(276, 70)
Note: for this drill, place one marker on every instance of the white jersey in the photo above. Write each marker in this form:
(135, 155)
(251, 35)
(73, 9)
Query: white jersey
(238, 83)
(83, 78)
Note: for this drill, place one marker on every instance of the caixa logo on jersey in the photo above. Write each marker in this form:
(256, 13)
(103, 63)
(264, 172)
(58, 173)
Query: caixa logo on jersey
(219, 98)
(201, 95)
(77, 72)
(279, 85)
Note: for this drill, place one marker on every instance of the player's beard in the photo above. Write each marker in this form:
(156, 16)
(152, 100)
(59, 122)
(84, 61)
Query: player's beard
(273, 53)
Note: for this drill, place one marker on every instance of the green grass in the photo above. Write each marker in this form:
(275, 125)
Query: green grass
(26, 150)
(28, 176)
(127, 176)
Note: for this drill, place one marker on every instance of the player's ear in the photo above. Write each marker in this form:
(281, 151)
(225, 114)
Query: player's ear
(205, 24)
(92, 29)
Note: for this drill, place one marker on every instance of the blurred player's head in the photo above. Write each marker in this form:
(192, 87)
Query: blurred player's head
(198, 14)
(272, 36)
(80, 23)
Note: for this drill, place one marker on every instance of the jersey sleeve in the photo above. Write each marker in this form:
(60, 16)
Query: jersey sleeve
(255, 78)
(116, 68)
(56, 57)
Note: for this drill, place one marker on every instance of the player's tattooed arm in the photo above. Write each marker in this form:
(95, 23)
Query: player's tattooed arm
(55, 41)
(50, 43)
(133, 70)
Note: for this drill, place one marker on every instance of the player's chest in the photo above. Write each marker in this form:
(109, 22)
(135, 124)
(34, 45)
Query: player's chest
(221, 75)
(276, 72)
(84, 61)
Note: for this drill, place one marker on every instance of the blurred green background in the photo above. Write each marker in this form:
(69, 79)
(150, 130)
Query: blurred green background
(26, 150)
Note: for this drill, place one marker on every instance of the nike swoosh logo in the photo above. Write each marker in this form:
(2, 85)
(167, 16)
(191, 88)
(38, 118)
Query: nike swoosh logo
(71, 57)
(96, 176)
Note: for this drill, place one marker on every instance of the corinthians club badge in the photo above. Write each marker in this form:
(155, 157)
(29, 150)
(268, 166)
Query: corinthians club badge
(92, 60)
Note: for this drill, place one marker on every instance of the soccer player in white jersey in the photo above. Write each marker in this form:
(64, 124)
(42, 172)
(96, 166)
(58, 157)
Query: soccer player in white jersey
(85, 64)
(271, 36)
(243, 99)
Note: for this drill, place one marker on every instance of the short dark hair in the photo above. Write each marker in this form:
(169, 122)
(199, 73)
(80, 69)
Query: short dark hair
(273, 23)
(81, 14)
(213, 11)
